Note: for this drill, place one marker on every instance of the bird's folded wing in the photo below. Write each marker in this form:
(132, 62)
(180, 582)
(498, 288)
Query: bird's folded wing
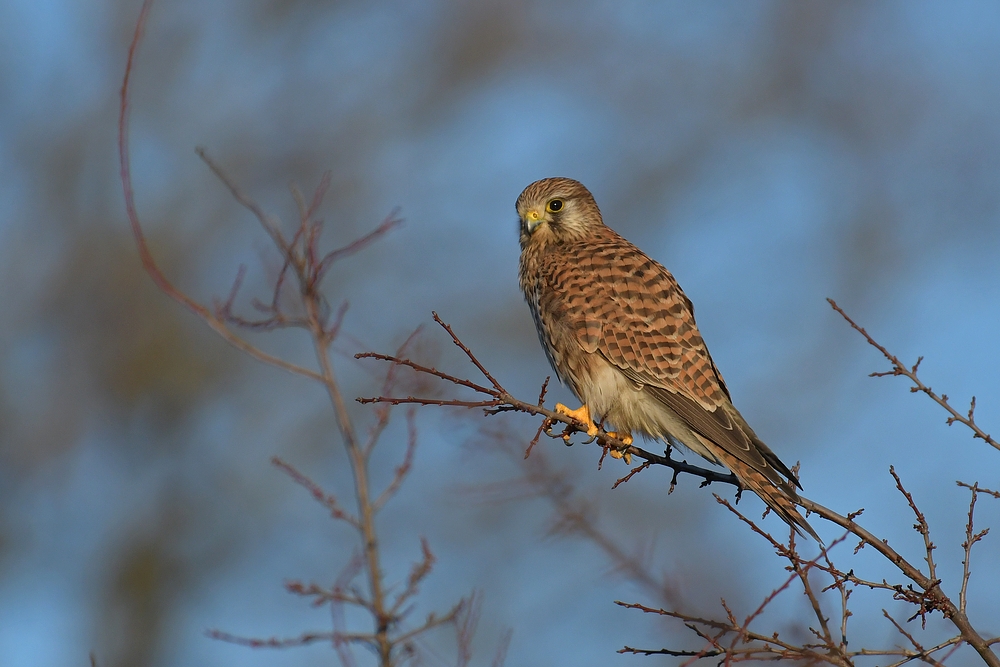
(641, 322)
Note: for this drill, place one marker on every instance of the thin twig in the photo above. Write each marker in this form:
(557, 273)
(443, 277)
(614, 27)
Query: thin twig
(145, 254)
(270, 225)
(399, 361)
(920, 526)
(936, 596)
(971, 538)
(468, 353)
(979, 489)
(920, 650)
(898, 368)
(384, 411)
(504, 644)
(418, 572)
(391, 221)
(325, 499)
(302, 640)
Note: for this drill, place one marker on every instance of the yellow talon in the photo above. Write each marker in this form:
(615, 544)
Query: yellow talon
(617, 453)
(583, 414)
(624, 437)
(580, 414)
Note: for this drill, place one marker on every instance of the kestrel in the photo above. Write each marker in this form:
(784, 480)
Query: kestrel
(619, 331)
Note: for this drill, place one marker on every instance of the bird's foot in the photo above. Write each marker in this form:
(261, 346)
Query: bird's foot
(626, 438)
(581, 414)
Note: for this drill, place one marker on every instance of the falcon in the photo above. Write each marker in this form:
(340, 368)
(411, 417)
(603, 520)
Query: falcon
(619, 331)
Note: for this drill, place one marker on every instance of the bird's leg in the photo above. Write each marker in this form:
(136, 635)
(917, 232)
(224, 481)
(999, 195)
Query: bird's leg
(581, 414)
(626, 438)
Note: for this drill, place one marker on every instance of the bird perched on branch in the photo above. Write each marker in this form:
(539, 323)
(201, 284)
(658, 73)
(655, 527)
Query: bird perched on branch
(618, 330)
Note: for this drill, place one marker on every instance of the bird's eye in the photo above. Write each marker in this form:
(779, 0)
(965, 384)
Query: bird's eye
(554, 206)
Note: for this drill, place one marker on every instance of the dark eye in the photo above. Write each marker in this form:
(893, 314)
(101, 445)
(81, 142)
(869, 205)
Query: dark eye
(554, 206)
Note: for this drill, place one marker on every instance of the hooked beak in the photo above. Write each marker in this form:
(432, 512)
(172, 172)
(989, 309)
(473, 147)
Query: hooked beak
(532, 219)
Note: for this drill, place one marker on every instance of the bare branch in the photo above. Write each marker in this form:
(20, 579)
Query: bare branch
(466, 623)
(935, 597)
(898, 368)
(395, 360)
(501, 654)
(979, 489)
(631, 473)
(327, 500)
(404, 468)
(432, 621)
(270, 225)
(468, 353)
(145, 254)
(391, 221)
(921, 651)
(971, 538)
(417, 574)
(667, 651)
(920, 526)
(322, 596)
(302, 640)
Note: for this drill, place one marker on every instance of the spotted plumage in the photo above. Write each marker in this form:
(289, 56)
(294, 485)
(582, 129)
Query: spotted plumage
(619, 331)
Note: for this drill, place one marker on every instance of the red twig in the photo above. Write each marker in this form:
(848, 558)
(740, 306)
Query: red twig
(391, 221)
(404, 468)
(327, 500)
(418, 572)
(399, 361)
(468, 353)
(302, 640)
(633, 472)
(145, 254)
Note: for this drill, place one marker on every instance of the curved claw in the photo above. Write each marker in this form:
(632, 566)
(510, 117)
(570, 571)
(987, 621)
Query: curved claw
(565, 435)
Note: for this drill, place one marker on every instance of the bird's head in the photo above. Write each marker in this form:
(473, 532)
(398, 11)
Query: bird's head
(556, 209)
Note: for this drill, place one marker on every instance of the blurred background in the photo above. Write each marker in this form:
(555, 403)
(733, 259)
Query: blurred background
(771, 154)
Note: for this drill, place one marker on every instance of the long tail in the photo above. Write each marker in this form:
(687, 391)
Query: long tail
(781, 498)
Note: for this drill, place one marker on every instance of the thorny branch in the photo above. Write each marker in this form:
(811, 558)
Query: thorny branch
(922, 590)
(910, 372)
(737, 641)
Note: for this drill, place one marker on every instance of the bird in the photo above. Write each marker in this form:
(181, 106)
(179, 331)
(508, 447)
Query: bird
(618, 330)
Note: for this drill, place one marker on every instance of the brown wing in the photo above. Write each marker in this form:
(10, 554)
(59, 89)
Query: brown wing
(647, 329)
